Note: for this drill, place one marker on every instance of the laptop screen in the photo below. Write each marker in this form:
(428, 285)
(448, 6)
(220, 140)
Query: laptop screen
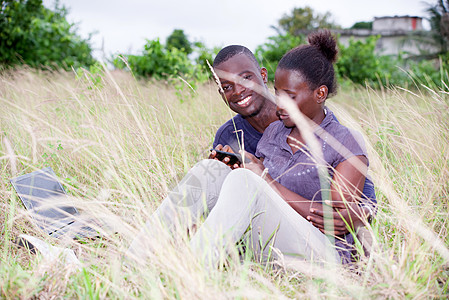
(43, 195)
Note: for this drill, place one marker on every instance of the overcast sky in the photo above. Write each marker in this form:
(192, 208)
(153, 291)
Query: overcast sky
(123, 26)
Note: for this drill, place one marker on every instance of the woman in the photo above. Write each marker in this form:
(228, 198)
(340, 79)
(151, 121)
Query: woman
(306, 75)
(282, 208)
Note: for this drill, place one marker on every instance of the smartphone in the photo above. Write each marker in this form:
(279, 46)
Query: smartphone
(234, 157)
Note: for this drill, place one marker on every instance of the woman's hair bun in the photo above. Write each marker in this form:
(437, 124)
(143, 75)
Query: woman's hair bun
(325, 42)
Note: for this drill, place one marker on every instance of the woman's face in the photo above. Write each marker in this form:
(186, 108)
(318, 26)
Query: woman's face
(292, 84)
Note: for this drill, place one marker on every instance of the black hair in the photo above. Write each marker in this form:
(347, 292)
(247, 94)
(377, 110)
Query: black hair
(231, 51)
(314, 61)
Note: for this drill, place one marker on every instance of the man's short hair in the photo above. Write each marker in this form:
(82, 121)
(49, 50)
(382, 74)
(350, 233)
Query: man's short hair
(231, 51)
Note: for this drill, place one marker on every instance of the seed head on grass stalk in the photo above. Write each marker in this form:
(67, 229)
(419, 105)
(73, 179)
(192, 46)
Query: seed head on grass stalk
(113, 175)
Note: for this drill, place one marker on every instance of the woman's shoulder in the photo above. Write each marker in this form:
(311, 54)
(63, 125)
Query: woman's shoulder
(271, 132)
(349, 138)
(340, 131)
(274, 127)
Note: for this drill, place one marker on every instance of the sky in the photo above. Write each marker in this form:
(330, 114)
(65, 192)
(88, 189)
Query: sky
(124, 26)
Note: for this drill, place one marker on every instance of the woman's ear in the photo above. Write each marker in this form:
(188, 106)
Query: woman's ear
(321, 94)
(264, 74)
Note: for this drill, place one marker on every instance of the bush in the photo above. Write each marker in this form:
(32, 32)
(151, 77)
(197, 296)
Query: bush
(359, 63)
(165, 62)
(157, 62)
(168, 63)
(34, 35)
(431, 73)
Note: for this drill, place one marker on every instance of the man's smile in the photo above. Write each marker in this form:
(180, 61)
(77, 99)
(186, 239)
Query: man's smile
(245, 102)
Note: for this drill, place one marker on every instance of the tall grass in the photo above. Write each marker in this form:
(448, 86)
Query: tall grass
(119, 144)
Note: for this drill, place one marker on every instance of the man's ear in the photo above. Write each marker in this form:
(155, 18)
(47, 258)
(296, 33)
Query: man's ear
(264, 74)
(321, 94)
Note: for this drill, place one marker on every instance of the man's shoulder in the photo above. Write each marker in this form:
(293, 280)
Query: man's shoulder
(237, 120)
(225, 135)
(237, 131)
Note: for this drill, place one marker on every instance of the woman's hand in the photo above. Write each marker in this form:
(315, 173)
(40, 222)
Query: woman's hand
(255, 164)
(345, 215)
(348, 181)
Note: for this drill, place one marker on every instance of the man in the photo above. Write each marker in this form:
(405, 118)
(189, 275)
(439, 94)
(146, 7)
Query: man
(255, 111)
(245, 91)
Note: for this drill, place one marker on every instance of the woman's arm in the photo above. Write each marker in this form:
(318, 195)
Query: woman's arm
(346, 188)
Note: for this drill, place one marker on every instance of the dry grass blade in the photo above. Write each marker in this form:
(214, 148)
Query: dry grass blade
(118, 148)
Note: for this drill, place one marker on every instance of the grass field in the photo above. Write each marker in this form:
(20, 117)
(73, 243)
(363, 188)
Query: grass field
(119, 144)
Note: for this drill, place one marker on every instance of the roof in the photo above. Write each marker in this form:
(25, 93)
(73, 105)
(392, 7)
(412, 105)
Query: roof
(397, 17)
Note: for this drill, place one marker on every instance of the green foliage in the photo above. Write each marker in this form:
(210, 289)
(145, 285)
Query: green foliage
(430, 73)
(157, 62)
(170, 63)
(177, 39)
(439, 22)
(93, 76)
(362, 25)
(204, 54)
(272, 51)
(305, 19)
(359, 63)
(34, 35)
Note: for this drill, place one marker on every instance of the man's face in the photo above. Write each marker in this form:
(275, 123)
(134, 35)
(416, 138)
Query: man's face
(239, 91)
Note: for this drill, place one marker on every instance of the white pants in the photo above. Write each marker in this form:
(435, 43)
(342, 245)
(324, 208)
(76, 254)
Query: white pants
(237, 200)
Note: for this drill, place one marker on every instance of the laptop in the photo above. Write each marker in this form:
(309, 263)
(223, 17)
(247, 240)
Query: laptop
(50, 207)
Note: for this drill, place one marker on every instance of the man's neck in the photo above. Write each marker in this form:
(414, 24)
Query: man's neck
(265, 117)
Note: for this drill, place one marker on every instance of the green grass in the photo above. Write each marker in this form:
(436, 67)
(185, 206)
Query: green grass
(119, 144)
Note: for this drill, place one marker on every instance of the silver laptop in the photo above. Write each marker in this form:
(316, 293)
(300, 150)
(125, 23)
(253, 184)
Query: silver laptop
(44, 197)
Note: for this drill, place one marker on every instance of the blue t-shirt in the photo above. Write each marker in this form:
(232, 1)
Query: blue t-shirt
(239, 134)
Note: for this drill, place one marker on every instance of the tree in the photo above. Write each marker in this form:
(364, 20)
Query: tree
(34, 35)
(305, 19)
(177, 39)
(439, 23)
(272, 51)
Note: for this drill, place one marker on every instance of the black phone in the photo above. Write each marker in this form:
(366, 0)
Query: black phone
(234, 157)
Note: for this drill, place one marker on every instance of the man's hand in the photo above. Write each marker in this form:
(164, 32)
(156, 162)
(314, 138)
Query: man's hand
(226, 159)
(343, 214)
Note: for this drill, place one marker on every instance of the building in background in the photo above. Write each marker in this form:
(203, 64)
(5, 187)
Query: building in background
(397, 34)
